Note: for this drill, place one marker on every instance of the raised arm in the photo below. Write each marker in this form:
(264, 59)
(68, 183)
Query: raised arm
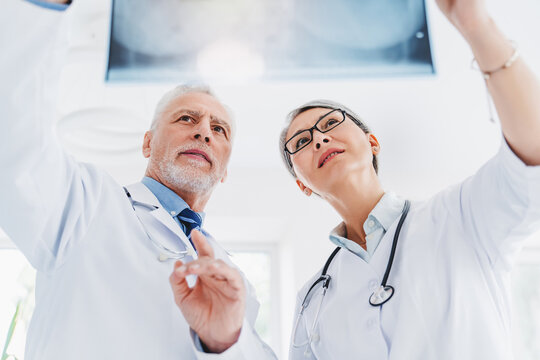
(515, 90)
(46, 198)
(499, 206)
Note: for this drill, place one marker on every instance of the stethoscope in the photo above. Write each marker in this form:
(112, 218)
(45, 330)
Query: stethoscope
(164, 252)
(380, 296)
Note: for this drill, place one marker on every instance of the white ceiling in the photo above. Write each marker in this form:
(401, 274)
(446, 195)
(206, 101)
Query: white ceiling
(434, 130)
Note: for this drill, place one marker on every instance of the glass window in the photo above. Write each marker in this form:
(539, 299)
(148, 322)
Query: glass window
(257, 265)
(17, 280)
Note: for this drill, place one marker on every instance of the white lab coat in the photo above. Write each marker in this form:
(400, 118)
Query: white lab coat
(450, 274)
(101, 293)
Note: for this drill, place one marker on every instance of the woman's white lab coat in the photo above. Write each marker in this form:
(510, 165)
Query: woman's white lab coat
(101, 293)
(450, 274)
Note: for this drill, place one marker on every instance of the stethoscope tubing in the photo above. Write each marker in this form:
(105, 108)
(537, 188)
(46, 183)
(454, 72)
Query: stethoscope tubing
(325, 279)
(406, 208)
(165, 252)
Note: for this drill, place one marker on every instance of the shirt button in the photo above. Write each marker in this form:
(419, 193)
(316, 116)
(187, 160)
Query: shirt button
(370, 323)
(371, 223)
(173, 213)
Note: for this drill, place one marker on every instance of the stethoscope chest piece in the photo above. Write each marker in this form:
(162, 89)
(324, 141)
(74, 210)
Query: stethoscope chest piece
(381, 295)
(162, 257)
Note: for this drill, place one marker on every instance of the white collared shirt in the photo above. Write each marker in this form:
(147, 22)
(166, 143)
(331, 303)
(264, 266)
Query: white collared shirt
(379, 220)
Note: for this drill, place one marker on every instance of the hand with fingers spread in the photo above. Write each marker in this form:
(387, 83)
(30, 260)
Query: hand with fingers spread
(214, 308)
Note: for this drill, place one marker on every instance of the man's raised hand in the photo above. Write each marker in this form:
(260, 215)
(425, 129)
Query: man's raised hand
(214, 308)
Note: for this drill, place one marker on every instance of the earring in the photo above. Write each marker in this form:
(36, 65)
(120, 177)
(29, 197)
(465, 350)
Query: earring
(307, 191)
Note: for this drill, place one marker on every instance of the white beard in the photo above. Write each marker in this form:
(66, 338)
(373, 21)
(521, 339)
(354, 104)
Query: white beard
(187, 178)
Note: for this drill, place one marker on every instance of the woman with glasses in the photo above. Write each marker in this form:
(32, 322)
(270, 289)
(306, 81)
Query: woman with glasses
(427, 280)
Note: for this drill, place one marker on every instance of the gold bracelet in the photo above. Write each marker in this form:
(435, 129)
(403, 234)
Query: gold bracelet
(507, 64)
(487, 74)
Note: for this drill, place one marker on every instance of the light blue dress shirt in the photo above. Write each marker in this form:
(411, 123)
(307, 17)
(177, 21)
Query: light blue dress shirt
(383, 215)
(171, 202)
(174, 205)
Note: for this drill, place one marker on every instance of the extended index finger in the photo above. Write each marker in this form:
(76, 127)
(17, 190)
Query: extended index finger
(178, 283)
(215, 271)
(201, 244)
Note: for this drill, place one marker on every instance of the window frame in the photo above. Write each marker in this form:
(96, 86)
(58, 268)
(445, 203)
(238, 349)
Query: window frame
(275, 274)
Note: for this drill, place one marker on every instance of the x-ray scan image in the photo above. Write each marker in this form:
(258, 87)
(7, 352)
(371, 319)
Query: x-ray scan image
(186, 40)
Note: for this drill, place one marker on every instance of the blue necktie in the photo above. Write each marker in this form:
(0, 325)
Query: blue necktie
(191, 221)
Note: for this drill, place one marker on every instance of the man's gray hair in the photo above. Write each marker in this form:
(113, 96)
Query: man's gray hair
(185, 89)
(325, 104)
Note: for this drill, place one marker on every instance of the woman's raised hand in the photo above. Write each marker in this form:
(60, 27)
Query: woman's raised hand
(466, 15)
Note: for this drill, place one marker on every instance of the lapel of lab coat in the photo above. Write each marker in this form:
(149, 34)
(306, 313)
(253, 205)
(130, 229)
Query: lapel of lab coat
(140, 193)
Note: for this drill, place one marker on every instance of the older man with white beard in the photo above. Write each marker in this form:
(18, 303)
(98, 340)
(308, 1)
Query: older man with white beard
(103, 252)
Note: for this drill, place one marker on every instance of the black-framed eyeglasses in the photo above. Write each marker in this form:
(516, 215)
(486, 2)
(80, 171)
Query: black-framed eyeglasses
(303, 138)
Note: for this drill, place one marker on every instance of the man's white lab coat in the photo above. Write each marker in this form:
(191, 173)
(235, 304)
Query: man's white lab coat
(101, 293)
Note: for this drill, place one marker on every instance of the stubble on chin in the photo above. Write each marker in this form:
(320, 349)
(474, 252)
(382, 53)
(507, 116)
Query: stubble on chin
(190, 178)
